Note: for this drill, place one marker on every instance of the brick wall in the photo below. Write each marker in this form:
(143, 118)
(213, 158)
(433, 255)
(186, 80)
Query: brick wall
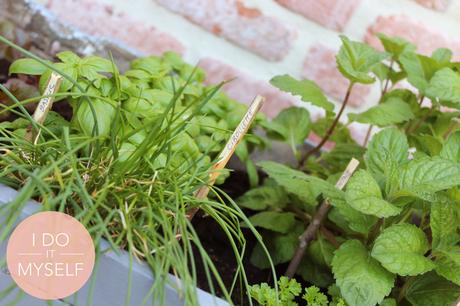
(253, 40)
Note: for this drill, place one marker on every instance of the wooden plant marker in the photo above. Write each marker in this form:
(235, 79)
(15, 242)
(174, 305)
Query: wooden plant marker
(318, 218)
(44, 105)
(228, 150)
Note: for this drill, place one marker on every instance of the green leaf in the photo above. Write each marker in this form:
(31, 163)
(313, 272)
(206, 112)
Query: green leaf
(281, 222)
(432, 290)
(429, 144)
(291, 125)
(451, 148)
(445, 85)
(390, 112)
(340, 155)
(104, 113)
(314, 273)
(448, 263)
(363, 194)
(400, 249)
(97, 63)
(306, 89)
(388, 302)
(350, 219)
(150, 64)
(27, 66)
(68, 57)
(341, 132)
(361, 279)
(395, 45)
(425, 176)
(269, 195)
(355, 60)
(420, 69)
(280, 246)
(321, 251)
(387, 150)
(55, 122)
(294, 181)
(442, 55)
(444, 223)
(314, 297)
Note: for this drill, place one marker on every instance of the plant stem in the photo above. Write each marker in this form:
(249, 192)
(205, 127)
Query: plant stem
(329, 236)
(402, 292)
(384, 91)
(368, 135)
(331, 129)
(318, 219)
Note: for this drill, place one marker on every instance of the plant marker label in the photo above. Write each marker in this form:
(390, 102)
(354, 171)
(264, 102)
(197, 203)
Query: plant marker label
(46, 102)
(50, 255)
(351, 167)
(232, 143)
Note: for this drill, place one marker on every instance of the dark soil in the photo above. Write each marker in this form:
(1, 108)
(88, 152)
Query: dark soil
(220, 251)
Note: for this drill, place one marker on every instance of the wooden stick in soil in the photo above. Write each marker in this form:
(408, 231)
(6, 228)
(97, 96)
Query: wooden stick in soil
(318, 219)
(228, 151)
(44, 105)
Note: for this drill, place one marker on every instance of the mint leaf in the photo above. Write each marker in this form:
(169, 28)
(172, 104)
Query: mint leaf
(280, 246)
(442, 55)
(390, 112)
(388, 302)
(339, 157)
(432, 290)
(419, 68)
(445, 85)
(363, 194)
(448, 263)
(429, 144)
(350, 219)
(395, 45)
(27, 66)
(361, 279)
(281, 222)
(306, 89)
(355, 60)
(400, 249)
(444, 223)
(451, 148)
(321, 251)
(315, 273)
(266, 196)
(387, 149)
(294, 181)
(291, 125)
(425, 176)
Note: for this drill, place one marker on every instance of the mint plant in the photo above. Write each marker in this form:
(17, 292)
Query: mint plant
(391, 236)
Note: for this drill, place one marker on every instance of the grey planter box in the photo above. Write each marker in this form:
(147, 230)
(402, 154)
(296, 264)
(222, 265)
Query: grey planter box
(110, 277)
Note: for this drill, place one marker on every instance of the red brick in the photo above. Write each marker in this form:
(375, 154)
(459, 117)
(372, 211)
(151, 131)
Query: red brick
(98, 19)
(424, 37)
(244, 88)
(439, 5)
(246, 27)
(333, 14)
(320, 66)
